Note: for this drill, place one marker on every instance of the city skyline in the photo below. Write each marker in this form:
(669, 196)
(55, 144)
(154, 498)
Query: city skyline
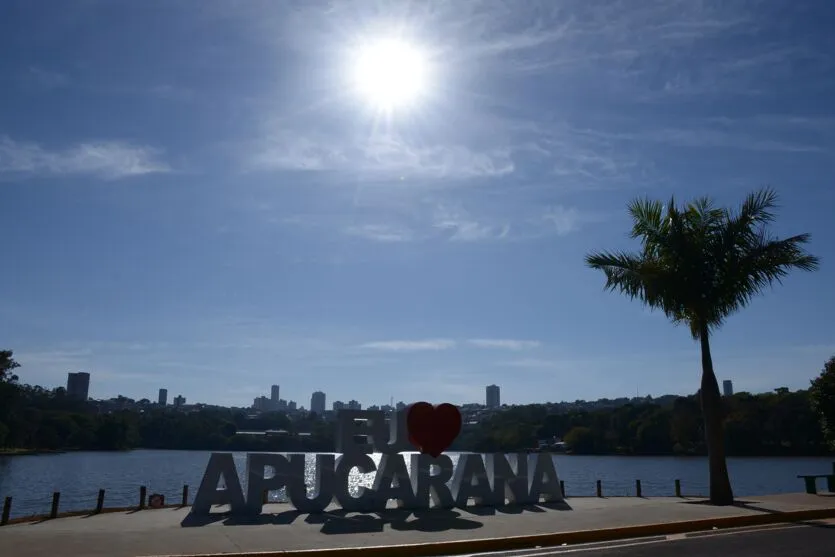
(229, 202)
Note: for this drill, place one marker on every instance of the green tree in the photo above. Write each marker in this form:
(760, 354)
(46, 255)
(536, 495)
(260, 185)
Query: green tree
(699, 264)
(822, 398)
(7, 367)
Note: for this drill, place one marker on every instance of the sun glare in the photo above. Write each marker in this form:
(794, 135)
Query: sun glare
(390, 74)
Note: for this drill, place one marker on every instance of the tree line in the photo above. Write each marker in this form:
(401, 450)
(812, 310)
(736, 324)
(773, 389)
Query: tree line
(777, 423)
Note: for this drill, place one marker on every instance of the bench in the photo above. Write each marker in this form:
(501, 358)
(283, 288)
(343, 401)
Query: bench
(811, 482)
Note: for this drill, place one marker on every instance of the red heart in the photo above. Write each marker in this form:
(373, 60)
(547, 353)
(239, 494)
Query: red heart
(433, 428)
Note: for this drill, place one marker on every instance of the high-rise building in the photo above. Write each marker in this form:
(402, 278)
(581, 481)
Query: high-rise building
(78, 385)
(291, 406)
(163, 397)
(493, 396)
(317, 403)
(179, 400)
(274, 395)
(354, 405)
(728, 387)
(338, 405)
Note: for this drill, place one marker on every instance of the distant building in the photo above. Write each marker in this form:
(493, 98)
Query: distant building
(291, 406)
(262, 404)
(401, 406)
(179, 400)
(317, 403)
(162, 400)
(728, 387)
(78, 385)
(493, 396)
(274, 395)
(354, 405)
(338, 405)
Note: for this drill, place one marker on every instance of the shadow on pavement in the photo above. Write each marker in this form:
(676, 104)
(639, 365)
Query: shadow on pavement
(343, 522)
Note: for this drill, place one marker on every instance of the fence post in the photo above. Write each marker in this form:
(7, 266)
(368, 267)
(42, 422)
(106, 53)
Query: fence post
(100, 501)
(562, 487)
(56, 498)
(638, 488)
(599, 488)
(143, 491)
(678, 488)
(185, 495)
(7, 510)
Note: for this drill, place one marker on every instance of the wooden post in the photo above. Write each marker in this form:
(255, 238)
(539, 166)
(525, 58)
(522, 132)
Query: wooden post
(143, 491)
(562, 487)
(100, 501)
(185, 495)
(599, 488)
(265, 498)
(638, 488)
(7, 510)
(678, 488)
(56, 498)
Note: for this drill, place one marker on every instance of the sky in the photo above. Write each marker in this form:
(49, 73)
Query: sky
(211, 197)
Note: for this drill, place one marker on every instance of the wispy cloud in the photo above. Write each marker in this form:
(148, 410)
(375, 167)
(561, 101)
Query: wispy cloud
(385, 157)
(105, 159)
(45, 79)
(381, 232)
(504, 343)
(410, 345)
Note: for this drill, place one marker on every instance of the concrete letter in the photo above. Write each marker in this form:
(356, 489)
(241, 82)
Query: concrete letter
(323, 483)
(365, 500)
(398, 439)
(509, 479)
(221, 465)
(470, 481)
(543, 480)
(392, 482)
(368, 424)
(258, 482)
(428, 486)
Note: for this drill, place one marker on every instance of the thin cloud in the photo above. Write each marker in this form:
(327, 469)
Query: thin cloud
(105, 159)
(46, 79)
(381, 233)
(504, 343)
(410, 345)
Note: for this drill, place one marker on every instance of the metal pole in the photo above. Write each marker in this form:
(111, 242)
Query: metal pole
(7, 510)
(100, 501)
(56, 498)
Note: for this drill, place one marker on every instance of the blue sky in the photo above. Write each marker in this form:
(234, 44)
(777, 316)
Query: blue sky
(194, 196)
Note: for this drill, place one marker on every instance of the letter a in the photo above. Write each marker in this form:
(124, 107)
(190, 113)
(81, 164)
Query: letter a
(221, 465)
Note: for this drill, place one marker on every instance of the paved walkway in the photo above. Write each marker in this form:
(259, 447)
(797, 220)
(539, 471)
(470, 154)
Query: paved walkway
(174, 531)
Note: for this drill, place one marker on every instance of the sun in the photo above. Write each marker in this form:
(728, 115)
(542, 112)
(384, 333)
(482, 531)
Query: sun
(390, 74)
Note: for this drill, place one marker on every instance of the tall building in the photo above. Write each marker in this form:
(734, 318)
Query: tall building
(78, 385)
(274, 395)
(163, 397)
(728, 387)
(179, 400)
(317, 403)
(354, 405)
(338, 405)
(493, 397)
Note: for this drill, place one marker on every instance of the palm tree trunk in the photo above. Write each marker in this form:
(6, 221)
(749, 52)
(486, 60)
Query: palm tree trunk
(712, 410)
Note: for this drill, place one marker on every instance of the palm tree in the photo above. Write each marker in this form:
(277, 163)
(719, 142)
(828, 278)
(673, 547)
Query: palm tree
(699, 264)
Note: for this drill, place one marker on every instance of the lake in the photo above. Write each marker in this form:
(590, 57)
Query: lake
(31, 480)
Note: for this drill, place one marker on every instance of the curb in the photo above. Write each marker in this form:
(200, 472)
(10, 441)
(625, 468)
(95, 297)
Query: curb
(486, 545)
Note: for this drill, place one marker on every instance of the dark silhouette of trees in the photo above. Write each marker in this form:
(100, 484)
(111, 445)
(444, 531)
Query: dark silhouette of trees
(699, 264)
(822, 396)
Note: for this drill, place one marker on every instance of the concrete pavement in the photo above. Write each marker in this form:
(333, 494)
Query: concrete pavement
(174, 531)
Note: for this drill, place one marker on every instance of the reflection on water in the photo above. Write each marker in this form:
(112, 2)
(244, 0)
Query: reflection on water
(30, 480)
